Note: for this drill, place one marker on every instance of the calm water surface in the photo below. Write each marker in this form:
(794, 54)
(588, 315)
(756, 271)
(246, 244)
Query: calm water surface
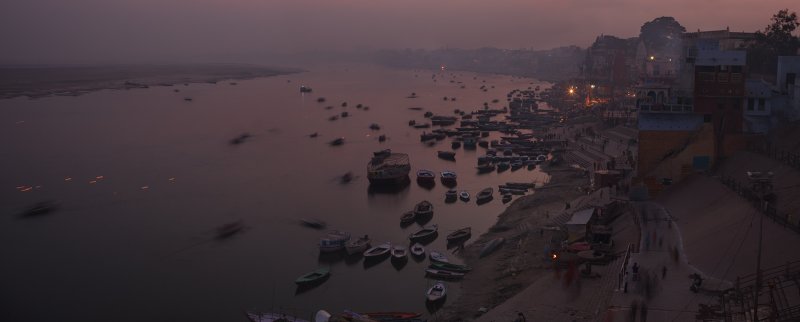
(144, 177)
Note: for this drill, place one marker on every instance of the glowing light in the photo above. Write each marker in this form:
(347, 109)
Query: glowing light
(93, 182)
(145, 187)
(592, 86)
(571, 91)
(652, 57)
(68, 179)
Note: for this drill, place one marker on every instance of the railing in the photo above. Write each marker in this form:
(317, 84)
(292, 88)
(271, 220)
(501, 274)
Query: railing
(789, 158)
(766, 208)
(666, 108)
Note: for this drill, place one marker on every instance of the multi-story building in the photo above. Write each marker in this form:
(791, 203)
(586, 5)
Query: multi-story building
(719, 91)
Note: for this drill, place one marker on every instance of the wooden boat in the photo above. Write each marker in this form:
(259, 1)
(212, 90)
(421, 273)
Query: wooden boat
(437, 292)
(272, 317)
(491, 246)
(334, 241)
(506, 198)
(41, 208)
(418, 250)
(455, 144)
(378, 251)
(426, 175)
(336, 142)
(460, 234)
(423, 208)
(485, 194)
(463, 195)
(313, 223)
(358, 245)
(399, 253)
(438, 273)
(313, 277)
(438, 257)
(230, 229)
(486, 167)
(408, 217)
(503, 166)
(447, 155)
(424, 233)
(448, 176)
(450, 267)
(451, 195)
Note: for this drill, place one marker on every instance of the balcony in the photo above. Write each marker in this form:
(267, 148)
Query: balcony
(666, 108)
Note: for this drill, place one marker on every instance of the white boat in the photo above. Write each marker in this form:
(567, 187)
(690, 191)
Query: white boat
(437, 292)
(399, 253)
(424, 233)
(438, 257)
(378, 251)
(418, 250)
(334, 242)
(464, 195)
(358, 245)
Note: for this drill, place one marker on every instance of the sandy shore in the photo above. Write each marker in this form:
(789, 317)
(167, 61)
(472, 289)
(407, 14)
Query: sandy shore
(501, 275)
(35, 82)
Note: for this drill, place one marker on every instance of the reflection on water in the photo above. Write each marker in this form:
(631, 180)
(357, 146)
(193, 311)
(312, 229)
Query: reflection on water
(151, 176)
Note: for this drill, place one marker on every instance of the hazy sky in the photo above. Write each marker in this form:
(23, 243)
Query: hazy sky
(85, 31)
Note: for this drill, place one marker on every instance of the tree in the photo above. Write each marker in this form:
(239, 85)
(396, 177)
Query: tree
(775, 40)
(778, 37)
(662, 35)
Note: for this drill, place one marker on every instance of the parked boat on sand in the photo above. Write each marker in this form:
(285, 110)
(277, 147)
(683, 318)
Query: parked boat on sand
(424, 233)
(460, 234)
(437, 292)
(443, 274)
(450, 267)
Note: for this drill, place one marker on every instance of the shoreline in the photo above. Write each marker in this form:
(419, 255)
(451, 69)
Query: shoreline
(39, 82)
(512, 268)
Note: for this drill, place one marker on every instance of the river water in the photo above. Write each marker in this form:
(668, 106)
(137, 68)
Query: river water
(144, 177)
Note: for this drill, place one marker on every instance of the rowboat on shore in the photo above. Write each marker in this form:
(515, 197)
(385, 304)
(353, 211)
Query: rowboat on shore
(443, 274)
(450, 267)
(408, 217)
(460, 234)
(358, 245)
(438, 257)
(423, 208)
(437, 292)
(378, 251)
(485, 195)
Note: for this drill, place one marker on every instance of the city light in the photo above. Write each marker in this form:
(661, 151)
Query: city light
(652, 58)
(572, 91)
(592, 86)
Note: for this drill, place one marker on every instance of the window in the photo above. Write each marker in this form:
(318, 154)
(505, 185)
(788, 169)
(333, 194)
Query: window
(723, 68)
(750, 104)
(790, 79)
(761, 104)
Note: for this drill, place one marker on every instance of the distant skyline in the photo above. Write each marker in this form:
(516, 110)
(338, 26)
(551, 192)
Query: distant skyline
(136, 31)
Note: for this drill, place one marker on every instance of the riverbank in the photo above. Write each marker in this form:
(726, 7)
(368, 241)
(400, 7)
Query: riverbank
(501, 275)
(36, 82)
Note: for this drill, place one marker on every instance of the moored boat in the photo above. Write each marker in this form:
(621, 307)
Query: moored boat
(334, 241)
(485, 195)
(425, 175)
(358, 245)
(378, 251)
(438, 257)
(437, 292)
(336, 142)
(463, 195)
(450, 267)
(455, 144)
(313, 277)
(388, 168)
(447, 155)
(460, 234)
(424, 233)
(313, 223)
(444, 274)
(423, 208)
(451, 195)
(399, 253)
(448, 176)
(486, 167)
(408, 217)
(418, 250)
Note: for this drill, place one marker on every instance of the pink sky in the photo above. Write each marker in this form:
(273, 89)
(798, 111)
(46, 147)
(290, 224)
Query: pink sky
(42, 31)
